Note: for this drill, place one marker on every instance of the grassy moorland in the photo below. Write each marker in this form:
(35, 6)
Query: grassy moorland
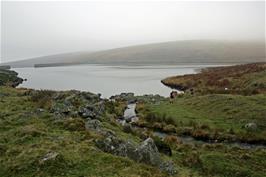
(44, 133)
(209, 112)
(28, 134)
(216, 117)
(245, 79)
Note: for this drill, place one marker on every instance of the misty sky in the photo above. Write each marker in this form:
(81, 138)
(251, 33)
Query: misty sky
(31, 29)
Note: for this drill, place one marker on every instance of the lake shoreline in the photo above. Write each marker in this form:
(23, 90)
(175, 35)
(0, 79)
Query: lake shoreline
(140, 80)
(53, 123)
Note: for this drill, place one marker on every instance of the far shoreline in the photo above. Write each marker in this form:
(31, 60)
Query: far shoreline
(48, 65)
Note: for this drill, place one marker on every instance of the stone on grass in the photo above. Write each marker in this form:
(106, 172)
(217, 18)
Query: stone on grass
(93, 124)
(251, 126)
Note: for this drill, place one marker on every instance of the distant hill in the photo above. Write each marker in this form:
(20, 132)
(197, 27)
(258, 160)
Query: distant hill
(192, 51)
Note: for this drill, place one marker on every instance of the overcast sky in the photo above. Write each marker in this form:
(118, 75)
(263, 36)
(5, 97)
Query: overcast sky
(31, 29)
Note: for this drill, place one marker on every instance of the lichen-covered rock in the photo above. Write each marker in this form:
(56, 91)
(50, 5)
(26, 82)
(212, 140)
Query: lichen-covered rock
(75, 103)
(93, 111)
(113, 145)
(63, 109)
(148, 153)
(93, 124)
(90, 96)
(86, 113)
(123, 97)
(168, 167)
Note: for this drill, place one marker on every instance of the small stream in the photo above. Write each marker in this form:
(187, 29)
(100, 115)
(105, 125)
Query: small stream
(130, 116)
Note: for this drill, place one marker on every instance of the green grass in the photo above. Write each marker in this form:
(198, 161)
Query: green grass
(222, 113)
(214, 160)
(26, 136)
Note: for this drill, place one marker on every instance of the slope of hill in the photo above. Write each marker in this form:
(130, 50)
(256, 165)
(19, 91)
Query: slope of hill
(193, 51)
(240, 79)
(73, 133)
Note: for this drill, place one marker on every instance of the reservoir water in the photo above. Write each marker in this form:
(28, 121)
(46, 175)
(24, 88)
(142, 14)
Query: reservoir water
(107, 80)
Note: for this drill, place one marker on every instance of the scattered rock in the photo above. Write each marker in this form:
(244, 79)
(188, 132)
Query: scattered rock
(99, 108)
(93, 124)
(251, 126)
(86, 113)
(40, 110)
(168, 167)
(90, 96)
(107, 133)
(62, 109)
(75, 103)
(123, 97)
(148, 153)
(51, 156)
(113, 145)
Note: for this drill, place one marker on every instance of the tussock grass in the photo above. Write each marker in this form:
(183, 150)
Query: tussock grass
(247, 79)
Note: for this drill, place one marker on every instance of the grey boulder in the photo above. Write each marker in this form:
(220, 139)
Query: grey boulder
(148, 153)
(93, 124)
(251, 126)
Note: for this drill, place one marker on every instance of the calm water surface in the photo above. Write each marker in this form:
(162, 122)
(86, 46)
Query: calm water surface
(107, 80)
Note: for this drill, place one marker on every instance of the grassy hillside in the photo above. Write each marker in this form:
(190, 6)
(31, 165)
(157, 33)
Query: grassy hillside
(61, 133)
(216, 117)
(240, 79)
(168, 53)
(28, 134)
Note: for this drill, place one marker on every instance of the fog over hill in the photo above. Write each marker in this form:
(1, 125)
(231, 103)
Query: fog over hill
(176, 52)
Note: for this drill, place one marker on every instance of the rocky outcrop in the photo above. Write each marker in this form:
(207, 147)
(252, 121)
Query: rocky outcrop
(123, 97)
(76, 103)
(168, 167)
(85, 112)
(97, 126)
(93, 124)
(113, 145)
(146, 152)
